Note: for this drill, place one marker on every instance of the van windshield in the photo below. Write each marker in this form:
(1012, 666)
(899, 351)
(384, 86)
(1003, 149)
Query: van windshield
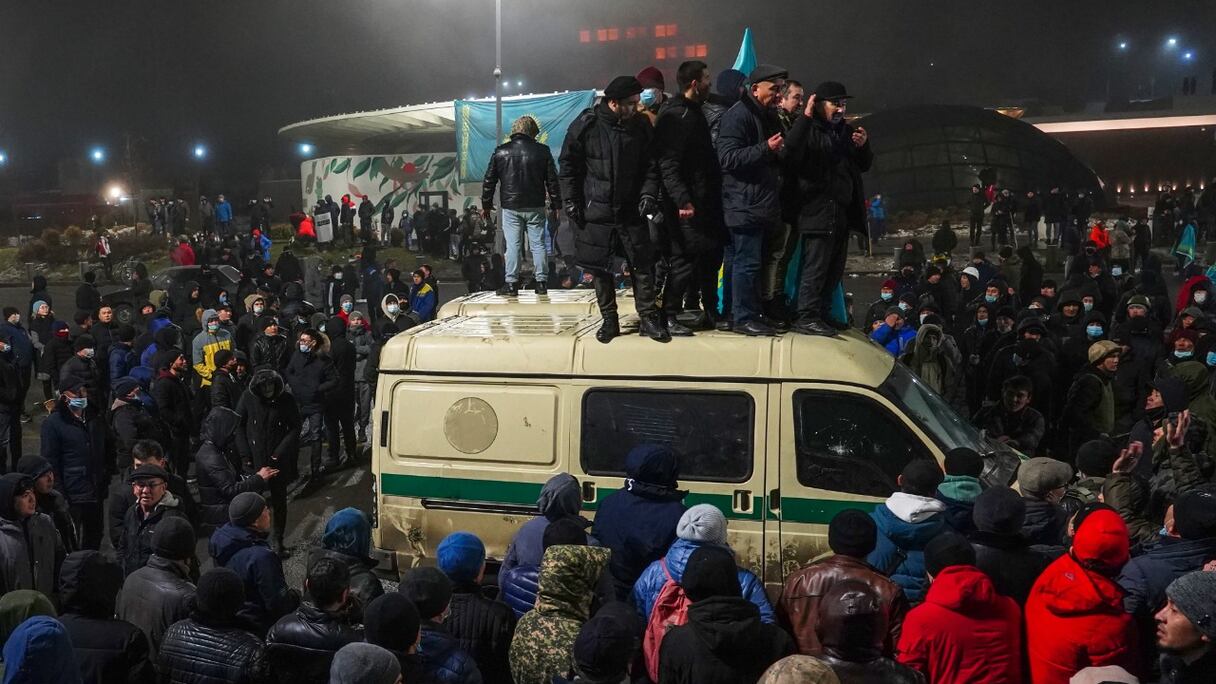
(946, 426)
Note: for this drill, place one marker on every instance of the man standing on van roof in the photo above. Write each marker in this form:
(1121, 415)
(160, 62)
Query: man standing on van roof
(609, 182)
(638, 522)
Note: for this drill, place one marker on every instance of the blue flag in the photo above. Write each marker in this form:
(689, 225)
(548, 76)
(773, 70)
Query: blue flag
(746, 61)
(475, 126)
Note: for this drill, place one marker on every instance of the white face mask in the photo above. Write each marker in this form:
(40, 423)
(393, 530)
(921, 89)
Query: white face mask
(1201, 297)
(337, 276)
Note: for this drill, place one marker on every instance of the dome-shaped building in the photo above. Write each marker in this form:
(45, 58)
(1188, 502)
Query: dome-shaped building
(929, 157)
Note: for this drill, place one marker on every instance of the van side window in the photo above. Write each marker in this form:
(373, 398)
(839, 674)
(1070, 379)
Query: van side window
(850, 444)
(710, 432)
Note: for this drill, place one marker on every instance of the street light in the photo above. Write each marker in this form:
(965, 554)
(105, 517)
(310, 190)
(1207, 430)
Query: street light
(98, 155)
(1188, 56)
(1171, 42)
(1123, 45)
(200, 152)
(3, 158)
(306, 149)
(115, 192)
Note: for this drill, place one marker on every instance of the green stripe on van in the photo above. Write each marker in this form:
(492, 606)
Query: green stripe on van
(815, 511)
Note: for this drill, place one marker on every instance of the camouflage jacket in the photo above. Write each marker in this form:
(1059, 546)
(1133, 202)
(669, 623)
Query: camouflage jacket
(544, 638)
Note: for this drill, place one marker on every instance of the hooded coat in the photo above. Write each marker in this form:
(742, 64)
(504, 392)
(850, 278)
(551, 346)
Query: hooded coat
(108, 650)
(30, 549)
(651, 582)
(218, 467)
(342, 353)
(269, 432)
(440, 660)
(906, 524)
(247, 553)
(723, 642)
(638, 522)
(544, 638)
(964, 632)
(312, 378)
(76, 449)
(1074, 616)
(39, 651)
(560, 497)
(348, 539)
(936, 359)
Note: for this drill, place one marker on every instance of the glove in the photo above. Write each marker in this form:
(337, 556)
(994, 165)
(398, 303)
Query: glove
(649, 208)
(575, 211)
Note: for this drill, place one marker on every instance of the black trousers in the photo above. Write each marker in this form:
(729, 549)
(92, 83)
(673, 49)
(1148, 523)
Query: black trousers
(89, 524)
(823, 261)
(278, 505)
(977, 229)
(10, 438)
(340, 421)
(595, 247)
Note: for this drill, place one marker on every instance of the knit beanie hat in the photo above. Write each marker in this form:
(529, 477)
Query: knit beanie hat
(1194, 512)
(852, 533)
(461, 556)
(607, 643)
(564, 532)
(1101, 542)
(710, 572)
(391, 620)
(246, 508)
(173, 539)
(429, 589)
(1194, 595)
(999, 510)
(964, 461)
(1095, 457)
(85, 341)
(703, 523)
(220, 593)
(946, 550)
(360, 663)
(33, 466)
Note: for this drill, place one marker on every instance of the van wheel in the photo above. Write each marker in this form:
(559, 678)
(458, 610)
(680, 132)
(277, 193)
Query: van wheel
(124, 313)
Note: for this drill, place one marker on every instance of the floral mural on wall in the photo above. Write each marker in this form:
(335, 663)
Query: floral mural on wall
(396, 180)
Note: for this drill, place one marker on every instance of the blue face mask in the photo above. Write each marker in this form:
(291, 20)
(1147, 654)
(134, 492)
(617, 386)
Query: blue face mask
(1179, 354)
(981, 322)
(905, 306)
(347, 306)
(1116, 271)
(1088, 306)
(1211, 358)
(991, 299)
(1094, 331)
(886, 296)
(79, 403)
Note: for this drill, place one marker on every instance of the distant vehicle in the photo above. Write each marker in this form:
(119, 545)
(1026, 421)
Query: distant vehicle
(210, 279)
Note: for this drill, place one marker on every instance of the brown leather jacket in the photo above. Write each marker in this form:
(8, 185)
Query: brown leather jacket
(798, 608)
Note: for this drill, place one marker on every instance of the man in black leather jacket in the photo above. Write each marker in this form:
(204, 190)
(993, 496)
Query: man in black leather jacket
(526, 170)
(301, 646)
(212, 645)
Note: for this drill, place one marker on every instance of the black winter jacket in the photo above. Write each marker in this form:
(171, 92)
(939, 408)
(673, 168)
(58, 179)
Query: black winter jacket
(135, 546)
(107, 650)
(56, 353)
(218, 467)
(196, 652)
(829, 168)
(247, 553)
(606, 167)
(439, 660)
(77, 452)
(225, 390)
(173, 405)
(688, 162)
(1009, 562)
(311, 378)
(122, 498)
(1045, 523)
(527, 173)
(269, 434)
(131, 422)
(83, 371)
(300, 647)
(156, 596)
(1145, 577)
(269, 352)
(723, 642)
(342, 354)
(364, 584)
(751, 172)
(483, 628)
(87, 298)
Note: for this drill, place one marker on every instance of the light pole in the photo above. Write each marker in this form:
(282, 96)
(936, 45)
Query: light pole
(497, 72)
(200, 154)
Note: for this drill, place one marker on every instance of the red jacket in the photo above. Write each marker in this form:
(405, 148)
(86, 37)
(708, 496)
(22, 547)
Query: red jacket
(1074, 616)
(182, 255)
(964, 632)
(1196, 282)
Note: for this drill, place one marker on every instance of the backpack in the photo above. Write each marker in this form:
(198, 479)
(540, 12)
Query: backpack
(670, 610)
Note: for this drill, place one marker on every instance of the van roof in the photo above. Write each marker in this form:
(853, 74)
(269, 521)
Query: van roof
(564, 345)
(556, 301)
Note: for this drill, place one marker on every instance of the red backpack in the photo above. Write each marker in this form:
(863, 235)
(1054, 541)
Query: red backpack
(670, 610)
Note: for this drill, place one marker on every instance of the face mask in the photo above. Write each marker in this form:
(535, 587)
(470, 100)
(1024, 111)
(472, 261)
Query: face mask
(1035, 307)
(1094, 331)
(1201, 297)
(258, 309)
(886, 296)
(1183, 355)
(304, 348)
(904, 306)
(1088, 306)
(223, 299)
(4, 348)
(347, 306)
(213, 327)
(79, 403)
(88, 353)
(981, 322)
(991, 299)
(15, 319)
(650, 97)
(393, 309)
(337, 276)
(1211, 358)
(1116, 271)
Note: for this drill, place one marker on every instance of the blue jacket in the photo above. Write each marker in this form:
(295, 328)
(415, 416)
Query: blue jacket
(900, 552)
(23, 346)
(519, 585)
(422, 301)
(751, 175)
(263, 247)
(1145, 577)
(248, 554)
(122, 360)
(223, 212)
(878, 210)
(894, 341)
(440, 661)
(77, 452)
(158, 322)
(648, 586)
(40, 650)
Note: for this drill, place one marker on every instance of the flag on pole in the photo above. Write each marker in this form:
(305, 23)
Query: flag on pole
(746, 61)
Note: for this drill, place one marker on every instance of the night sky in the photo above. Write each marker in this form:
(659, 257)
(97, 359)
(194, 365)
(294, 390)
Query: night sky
(229, 73)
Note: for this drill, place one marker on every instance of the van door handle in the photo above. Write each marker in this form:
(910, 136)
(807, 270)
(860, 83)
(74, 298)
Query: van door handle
(774, 500)
(741, 502)
(589, 492)
(384, 428)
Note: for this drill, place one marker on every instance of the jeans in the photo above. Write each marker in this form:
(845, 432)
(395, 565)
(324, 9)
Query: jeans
(514, 223)
(1054, 229)
(748, 247)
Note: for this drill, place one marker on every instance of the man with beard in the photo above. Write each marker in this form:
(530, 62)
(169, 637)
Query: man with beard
(609, 182)
(829, 157)
(693, 182)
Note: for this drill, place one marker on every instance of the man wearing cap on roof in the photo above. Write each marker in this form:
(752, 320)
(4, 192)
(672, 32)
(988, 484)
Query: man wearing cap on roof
(610, 186)
(1089, 409)
(750, 144)
(829, 156)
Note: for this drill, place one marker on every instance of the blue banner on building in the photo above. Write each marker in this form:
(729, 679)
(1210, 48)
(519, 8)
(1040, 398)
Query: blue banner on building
(475, 126)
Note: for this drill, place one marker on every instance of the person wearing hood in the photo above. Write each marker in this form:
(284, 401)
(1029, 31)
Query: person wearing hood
(340, 403)
(1027, 356)
(74, 441)
(544, 638)
(269, 349)
(335, 287)
(246, 325)
(481, 626)
(172, 397)
(906, 522)
(218, 468)
(300, 647)
(107, 649)
(206, 344)
(1042, 482)
(392, 622)
(1001, 550)
(638, 522)
(725, 640)
(30, 547)
(311, 377)
(606, 646)
(82, 370)
(1013, 421)
(976, 344)
(159, 594)
(965, 631)
(268, 437)
(360, 337)
(560, 497)
(1090, 404)
(50, 501)
(154, 503)
(851, 626)
(936, 359)
(241, 546)
(960, 487)
(1074, 616)
(701, 525)
(438, 657)
(16, 607)
(348, 538)
(39, 650)
(39, 293)
(213, 644)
